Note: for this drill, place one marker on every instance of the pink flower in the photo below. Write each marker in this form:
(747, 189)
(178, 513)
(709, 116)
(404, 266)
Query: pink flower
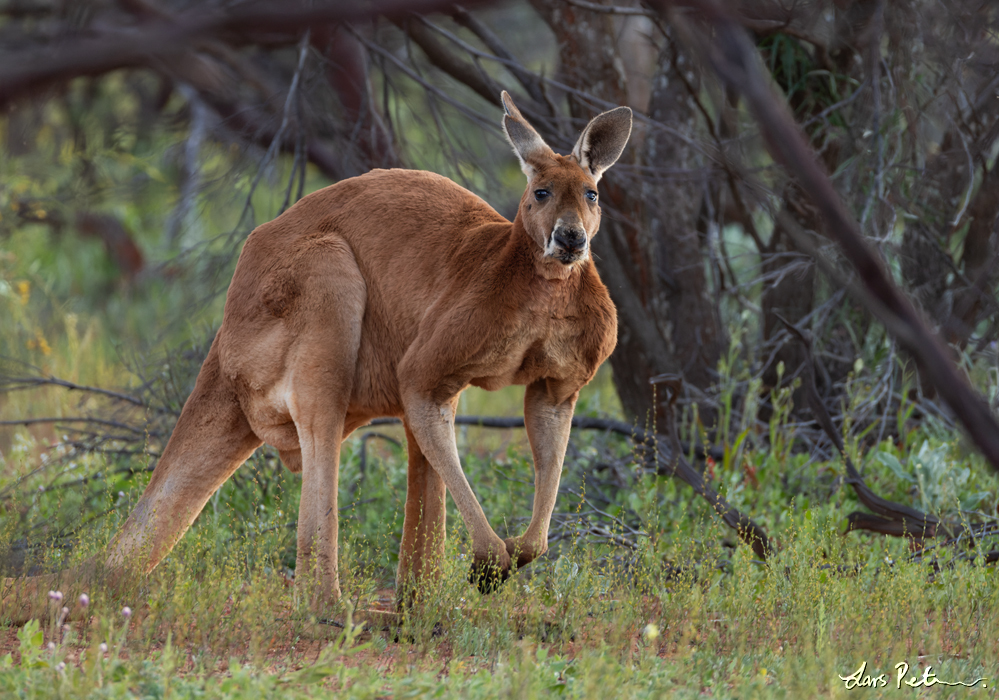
(56, 596)
(126, 612)
(84, 600)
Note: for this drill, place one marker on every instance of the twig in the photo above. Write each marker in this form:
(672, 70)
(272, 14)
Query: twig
(971, 181)
(531, 82)
(479, 118)
(834, 107)
(619, 427)
(612, 9)
(584, 499)
(78, 419)
(21, 383)
(363, 457)
(671, 461)
(303, 51)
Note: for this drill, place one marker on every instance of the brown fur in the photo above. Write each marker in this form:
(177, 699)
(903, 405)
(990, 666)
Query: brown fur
(387, 295)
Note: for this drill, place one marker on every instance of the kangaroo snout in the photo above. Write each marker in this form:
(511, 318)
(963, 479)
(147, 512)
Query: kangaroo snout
(568, 244)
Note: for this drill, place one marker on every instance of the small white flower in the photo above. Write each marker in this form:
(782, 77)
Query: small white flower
(56, 596)
(103, 648)
(121, 494)
(61, 666)
(51, 646)
(65, 610)
(84, 600)
(126, 612)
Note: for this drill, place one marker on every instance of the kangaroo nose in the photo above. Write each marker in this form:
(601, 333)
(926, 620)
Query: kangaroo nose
(570, 239)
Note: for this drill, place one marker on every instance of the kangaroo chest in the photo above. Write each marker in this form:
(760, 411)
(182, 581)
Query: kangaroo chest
(547, 348)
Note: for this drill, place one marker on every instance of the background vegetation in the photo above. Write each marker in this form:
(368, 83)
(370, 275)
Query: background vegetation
(143, 141)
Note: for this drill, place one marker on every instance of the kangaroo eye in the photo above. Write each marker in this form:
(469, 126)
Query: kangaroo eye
(541, 195)
(591, 195)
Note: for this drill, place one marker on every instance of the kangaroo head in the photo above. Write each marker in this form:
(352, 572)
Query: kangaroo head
(560, 209)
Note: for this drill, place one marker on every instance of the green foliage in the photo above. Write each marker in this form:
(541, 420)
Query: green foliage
(810, 88)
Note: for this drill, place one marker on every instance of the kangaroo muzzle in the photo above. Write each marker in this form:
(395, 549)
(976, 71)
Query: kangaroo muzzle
(568, 244)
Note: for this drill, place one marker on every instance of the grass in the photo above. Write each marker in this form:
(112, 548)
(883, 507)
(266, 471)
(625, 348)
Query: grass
(207, 624)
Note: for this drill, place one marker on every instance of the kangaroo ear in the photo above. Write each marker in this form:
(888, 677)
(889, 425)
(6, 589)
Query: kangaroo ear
(603, 140)
(525, 140)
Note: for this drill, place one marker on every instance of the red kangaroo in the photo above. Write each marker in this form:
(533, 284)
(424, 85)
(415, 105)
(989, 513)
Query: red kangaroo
(388, 294)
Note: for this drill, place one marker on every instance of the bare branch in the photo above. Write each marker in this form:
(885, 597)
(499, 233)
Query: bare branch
(531, 82)
(275, 145)
(26, 71)
(611, 9)
(74, 419)
(465, 73)
(9, 383)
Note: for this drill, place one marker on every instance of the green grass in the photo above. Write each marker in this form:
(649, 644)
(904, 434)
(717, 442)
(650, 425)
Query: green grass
(207, 624)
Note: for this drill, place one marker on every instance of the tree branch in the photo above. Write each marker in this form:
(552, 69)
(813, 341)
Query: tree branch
(531, 82)
(439, 56)
(24, 72)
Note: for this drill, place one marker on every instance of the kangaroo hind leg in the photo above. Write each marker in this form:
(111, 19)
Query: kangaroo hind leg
(322, 366)
(421, 556)
(211, 440)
